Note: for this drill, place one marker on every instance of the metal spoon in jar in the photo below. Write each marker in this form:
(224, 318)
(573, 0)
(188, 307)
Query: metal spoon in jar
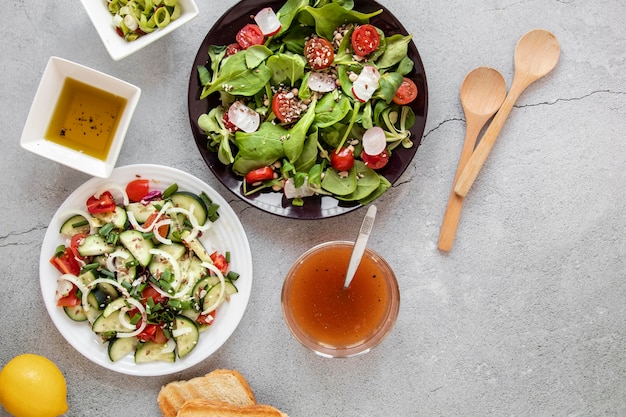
(360, 244)
(536, 54)
(482, 93)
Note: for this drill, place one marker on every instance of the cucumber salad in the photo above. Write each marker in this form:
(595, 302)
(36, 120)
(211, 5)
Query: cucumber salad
(134, 269)
(313, 101)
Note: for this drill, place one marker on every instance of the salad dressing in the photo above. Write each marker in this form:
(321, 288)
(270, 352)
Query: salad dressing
(85, 118)
(327, 312)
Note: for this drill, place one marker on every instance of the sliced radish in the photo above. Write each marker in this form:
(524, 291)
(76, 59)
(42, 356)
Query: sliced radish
(291, 191)
(366, 83)
(243, 117)
(268, 21)
(322, 82)
(374, 140)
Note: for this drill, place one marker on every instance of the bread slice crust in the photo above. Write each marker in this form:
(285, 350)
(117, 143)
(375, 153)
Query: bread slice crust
(210, 408)
(223, 385)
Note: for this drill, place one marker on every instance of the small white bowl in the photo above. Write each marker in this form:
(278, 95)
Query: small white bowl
(119, 48)
(44, 105)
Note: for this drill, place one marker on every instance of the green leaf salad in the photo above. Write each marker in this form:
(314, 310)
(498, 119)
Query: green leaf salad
(313, 100)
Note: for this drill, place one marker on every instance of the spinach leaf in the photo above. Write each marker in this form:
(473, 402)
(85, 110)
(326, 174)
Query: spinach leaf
(260, 148)
(396, 50)
(330, 16)
(339, 185)
(368, 182)
(286, 66)
(388, 85)
(382, 189)
(236, 78)
(294, 142)
(213, 125)
(256, 54)
(332, 108)
(288, 12)
(308, 157)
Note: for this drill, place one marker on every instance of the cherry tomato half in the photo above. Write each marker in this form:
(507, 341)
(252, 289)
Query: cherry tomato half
(103, 204)
(365, 40)
(375, 161)
(342, 160)
(260, 174)
(286, 107)
(249, 35)
(66, 263)
(220, 262)
(137, 189)
(232, 49)
(406, 93)
(319, 53)
(70, 300)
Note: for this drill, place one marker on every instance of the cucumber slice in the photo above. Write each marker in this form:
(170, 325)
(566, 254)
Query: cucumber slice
(120, 347)
(117, 217)
(93, 245)
(158, 264)
(185, 334)
(141, 212)
(75, 225)
(123, 272)
(203, 286)
(197, 248)
(110, 325)
(114, 306)
(186, 199)
(137, 245)
(150, 352)
(76, 313)
(213, 294)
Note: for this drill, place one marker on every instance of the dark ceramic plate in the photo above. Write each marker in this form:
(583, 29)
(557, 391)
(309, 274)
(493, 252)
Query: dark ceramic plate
(317, 207)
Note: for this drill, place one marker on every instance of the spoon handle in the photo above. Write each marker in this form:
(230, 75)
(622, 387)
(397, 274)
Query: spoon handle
(452, 214)
(359, 245)
(478, 158)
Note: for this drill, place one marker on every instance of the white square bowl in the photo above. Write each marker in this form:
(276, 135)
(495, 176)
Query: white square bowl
(43, 107)
(119, 48)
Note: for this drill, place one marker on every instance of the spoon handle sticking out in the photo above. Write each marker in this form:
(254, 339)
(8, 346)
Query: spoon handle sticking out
(359, 245)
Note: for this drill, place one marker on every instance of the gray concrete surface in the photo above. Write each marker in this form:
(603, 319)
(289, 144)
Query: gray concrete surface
(525, 317)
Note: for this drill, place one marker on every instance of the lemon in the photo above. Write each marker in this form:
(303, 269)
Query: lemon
(33, 386)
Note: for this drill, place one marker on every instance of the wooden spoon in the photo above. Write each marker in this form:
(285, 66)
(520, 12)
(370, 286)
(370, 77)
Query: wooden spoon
(536, 54)
(482, 93)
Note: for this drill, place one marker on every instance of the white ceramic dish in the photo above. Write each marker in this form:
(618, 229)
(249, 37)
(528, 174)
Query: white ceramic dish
(117, 47)
(226, 235)
(44, 104)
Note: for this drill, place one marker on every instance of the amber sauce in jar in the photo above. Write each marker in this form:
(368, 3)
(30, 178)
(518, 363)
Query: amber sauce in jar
(327, 312)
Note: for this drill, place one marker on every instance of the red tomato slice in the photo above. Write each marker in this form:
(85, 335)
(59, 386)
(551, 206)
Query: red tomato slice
(137, 189)
(162, 230)
(206, 319)
(70, 300)
(232, 49)
(319, 53)
(375, 161)
(76, 240)
(406, 93)
(342, 160)
(66, 263)
(286, 107)
(260, 174)
(150, 292)
(249, 35)
(365, 40)
(104, 204)
(219, 261)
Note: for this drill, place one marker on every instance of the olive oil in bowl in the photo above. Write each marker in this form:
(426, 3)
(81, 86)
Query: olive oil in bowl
(85, 118)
